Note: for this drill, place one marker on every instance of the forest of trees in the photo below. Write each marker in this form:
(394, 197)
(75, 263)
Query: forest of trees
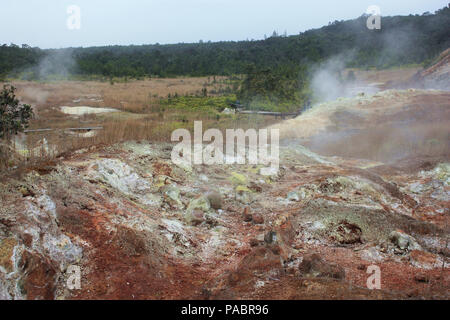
(401, 40)
(278, 89)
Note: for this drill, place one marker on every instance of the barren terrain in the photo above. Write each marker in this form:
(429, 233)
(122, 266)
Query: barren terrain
(363, 181)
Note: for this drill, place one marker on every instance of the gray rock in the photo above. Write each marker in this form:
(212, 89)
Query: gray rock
(293, 196)
(201, 203)
(121, 176)
(404, 241)
(215, 199)
(197, 206)
(172, 195)
(270, 237)
(372, 254)
(244, 197)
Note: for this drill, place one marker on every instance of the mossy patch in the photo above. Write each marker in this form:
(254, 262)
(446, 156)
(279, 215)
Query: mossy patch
(442, 172)
(6, 251)
(238, 179)
(241, 189)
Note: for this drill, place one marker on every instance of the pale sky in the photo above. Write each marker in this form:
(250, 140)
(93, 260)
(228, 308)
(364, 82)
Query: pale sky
(43, 23)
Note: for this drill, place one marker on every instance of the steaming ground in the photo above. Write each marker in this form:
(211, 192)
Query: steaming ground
(386, 126)
(85, 110)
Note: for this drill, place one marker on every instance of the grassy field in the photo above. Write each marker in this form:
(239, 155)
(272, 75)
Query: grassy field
(147, 110)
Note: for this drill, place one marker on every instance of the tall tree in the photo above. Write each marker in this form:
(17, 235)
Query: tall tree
(14, 117)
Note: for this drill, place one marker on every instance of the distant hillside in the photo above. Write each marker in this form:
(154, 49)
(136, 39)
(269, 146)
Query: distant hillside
(402, 40)
(435, 76)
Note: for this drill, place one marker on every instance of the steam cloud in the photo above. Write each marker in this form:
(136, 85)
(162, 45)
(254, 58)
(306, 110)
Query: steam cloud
(57, 62)
(331, 81)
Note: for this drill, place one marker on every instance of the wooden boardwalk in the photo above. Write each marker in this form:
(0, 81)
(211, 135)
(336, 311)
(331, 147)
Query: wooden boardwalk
(63, 129)
(270, 113)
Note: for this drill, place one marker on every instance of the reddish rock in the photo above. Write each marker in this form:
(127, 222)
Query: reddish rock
(413, 293)
(421, 277)
(40, 277)
(313, 265)
(275, 248)
(254, 242)
(362, 267)
(347, 233)
(198, 217)
(247, 216)
(131, 242)
(257, 218)
(27, 239)
(424, 259)
(259, 260)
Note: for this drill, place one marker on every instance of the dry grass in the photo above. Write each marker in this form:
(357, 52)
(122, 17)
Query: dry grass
(141, 116)
(132, 96)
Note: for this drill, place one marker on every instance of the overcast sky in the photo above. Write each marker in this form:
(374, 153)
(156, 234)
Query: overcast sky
(43, 23)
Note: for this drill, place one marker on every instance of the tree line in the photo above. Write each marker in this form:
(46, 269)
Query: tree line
(401, 40)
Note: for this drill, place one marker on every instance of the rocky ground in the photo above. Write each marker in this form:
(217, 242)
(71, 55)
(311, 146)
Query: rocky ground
(142, 228)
